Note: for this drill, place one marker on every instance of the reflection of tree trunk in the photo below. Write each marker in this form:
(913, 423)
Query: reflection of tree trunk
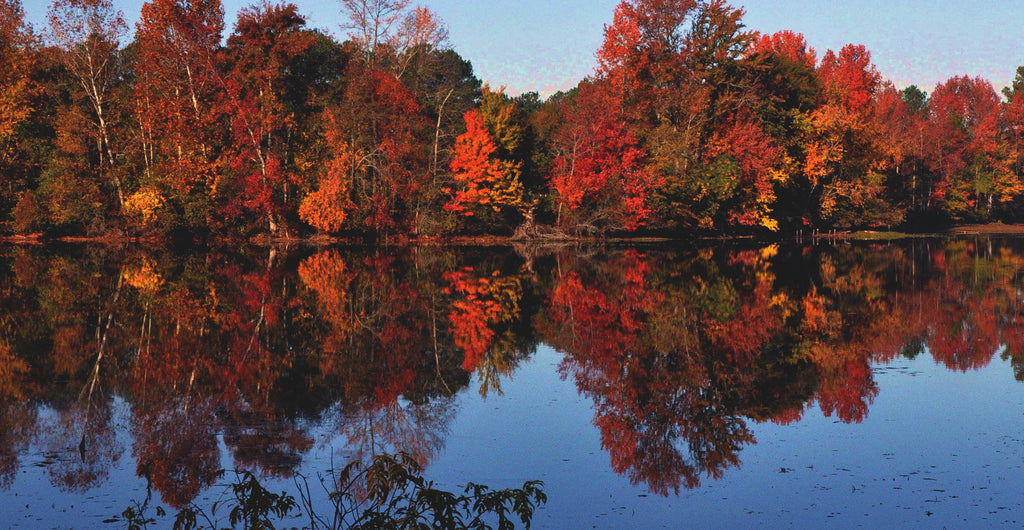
(433, 330)
(188, 390)
(263, 306)
(96, 366)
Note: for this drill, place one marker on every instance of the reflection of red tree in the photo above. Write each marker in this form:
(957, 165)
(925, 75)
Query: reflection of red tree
(650, 407)
(176, 448)
(743, 336)
(650, 403)
(845, 382)
(254, 315)
(275, 448)
(605, 317)
(971, 308)
(847, 387)
(964, 333)
(472, 316)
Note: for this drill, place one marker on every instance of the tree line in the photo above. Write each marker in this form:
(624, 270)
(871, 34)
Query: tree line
(691, 123)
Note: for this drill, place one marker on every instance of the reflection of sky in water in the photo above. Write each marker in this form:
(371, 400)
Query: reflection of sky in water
(34, 502)
(938, 448)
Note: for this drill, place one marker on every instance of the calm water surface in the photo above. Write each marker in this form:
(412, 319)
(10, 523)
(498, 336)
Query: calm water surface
(787, 385)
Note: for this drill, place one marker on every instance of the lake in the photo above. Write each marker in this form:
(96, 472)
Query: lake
(737, 384)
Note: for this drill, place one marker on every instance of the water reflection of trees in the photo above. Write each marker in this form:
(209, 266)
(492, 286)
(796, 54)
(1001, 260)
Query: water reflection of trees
(680, 351)
(672, 352)
(254, 349)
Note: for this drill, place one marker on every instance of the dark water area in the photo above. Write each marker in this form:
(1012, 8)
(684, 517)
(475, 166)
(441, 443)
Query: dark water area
(787, 385)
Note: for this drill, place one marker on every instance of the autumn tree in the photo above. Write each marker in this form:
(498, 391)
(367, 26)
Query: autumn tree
(487, 181)
(1013, 136)
(907, 141)
(261, 54)
(486, 164)
(446, 88)
(411, 43)
(643, 58)
(841, 162)
(679, 68)
(599, 173)
(15, 48)
(642, 54)
(897, 129)
(327, 207)
(385, 131)
(965, 117)
(740, 158)
(16, 91)
(89, 33)
(788, 91)
(174, 98)
(373, 23)
(390, 34)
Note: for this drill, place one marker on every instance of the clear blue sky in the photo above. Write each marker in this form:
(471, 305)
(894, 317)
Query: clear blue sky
(548, 45)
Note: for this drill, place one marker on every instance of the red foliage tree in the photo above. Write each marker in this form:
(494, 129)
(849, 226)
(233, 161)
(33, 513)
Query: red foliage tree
(599, 172)
(266, 42)
(965, 124)
(849, 77)
(641, 54)
(788, 44)
(384, 129)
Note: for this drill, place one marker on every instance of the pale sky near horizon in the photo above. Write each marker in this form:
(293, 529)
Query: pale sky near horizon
(547, 45)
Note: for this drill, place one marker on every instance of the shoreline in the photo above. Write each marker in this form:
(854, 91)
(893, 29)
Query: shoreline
(321, 240)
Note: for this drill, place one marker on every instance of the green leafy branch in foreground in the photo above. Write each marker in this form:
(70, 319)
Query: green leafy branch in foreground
(390, 493)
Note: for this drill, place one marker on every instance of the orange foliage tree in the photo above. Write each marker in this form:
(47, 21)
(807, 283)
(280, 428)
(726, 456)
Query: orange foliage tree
(16, 88)
(327, 207)
(485, 164)
(175, 97)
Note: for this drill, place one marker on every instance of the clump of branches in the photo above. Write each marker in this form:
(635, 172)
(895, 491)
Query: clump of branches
(389, 493)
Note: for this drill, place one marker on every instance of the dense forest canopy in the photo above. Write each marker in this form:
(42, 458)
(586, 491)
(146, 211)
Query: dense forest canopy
(690, 124)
